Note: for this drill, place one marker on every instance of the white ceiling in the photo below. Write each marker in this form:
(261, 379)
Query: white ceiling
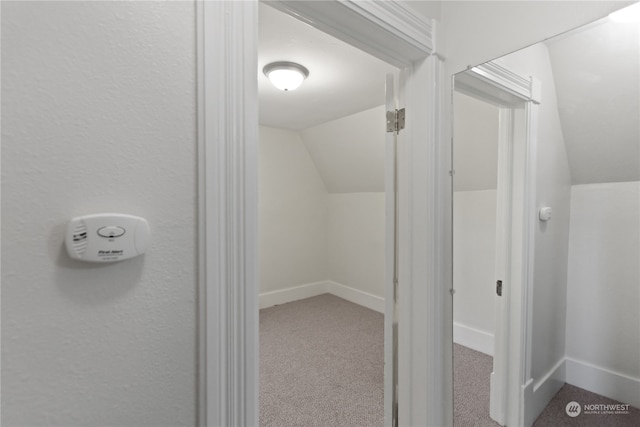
(597, 77)
(596, 71)
(342, 79)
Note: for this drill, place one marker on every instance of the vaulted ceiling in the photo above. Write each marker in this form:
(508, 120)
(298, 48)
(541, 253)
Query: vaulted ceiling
(597, 77)
(342, 79)
(596, 71)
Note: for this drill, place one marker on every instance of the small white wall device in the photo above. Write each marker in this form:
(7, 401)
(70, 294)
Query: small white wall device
(106, 237)
(545, 214)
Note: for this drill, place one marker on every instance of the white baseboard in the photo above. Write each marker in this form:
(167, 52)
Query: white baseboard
(295, 293)
(602, 381)
(472, 338)
(538, 394)
(593, 378)
(356, 296)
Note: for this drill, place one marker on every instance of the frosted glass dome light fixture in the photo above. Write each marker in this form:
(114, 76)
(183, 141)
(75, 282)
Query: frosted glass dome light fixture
(286, 75)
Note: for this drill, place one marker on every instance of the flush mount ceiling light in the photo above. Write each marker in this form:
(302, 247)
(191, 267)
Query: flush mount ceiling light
(286, 75)
(630, 14)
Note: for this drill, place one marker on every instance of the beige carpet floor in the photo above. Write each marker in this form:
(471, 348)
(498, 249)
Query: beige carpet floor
(322, 361)
(554, 415)
(321, 364)
(472, 371)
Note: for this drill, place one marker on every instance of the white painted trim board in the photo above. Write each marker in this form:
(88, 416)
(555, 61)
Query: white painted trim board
(473, 338)
(539, 393)
(356, 296)
(605, 382)
(587, 376)
(228, 204)
(295, 293)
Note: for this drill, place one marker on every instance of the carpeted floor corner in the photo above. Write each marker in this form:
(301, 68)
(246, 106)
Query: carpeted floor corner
(321, 364)
(471, 380)
(554, 415)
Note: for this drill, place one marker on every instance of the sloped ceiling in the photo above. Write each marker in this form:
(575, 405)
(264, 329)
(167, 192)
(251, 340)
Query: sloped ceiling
(597, 76)
(342, 79)
(338, 109)
(596, 71)
(349, 152)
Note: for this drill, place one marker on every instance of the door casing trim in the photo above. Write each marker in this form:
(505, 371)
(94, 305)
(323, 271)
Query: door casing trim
(227, 47)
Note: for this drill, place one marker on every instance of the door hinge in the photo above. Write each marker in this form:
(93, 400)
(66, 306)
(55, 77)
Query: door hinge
(395, 120)
(499, 288)
(395, 289)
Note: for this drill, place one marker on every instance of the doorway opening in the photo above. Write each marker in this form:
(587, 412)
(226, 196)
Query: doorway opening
(228, 195)
(493, 232)
(322, 230)
(475, 162)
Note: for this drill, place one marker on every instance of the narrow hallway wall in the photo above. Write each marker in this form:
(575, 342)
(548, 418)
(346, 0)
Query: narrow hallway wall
(553, 184)
(603, 291)
(293, 213)
(356, 241)
(350, 155)
(98, 115)
(474, 250)
(475, 161)
(322, 201)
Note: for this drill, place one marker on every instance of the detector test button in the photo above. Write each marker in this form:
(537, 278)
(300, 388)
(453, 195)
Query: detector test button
(111, 231)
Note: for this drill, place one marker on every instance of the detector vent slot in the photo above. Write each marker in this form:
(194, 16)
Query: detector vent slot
(80, 238)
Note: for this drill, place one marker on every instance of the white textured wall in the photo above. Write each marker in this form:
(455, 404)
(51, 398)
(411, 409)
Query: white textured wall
(475, 161)
(293, 213)
(551, 238)
(98, 114)
(603, 293)
(356, 234)
(309, 234)
(509, 26)
(349, 152)
(474, 255)
(504, 28)
(475, 144)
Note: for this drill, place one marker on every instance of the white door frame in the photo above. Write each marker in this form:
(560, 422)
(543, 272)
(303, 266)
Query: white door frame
(228, 202)
(518, 98)
(391, 254)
